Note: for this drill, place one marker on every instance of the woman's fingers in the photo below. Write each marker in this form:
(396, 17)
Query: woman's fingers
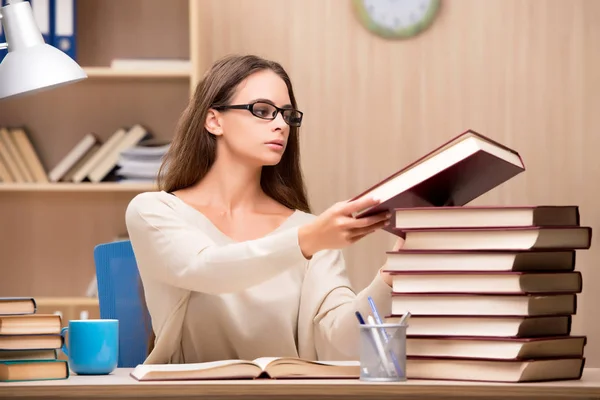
(363, 231)
(371, 220)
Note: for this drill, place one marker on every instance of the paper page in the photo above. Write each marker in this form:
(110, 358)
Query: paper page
(190, 366)
(262, 362)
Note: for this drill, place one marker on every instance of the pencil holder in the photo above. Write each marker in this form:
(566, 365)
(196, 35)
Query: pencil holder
(383, 352)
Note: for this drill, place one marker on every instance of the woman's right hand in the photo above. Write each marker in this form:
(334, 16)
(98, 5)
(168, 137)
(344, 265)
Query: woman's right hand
(336, 228)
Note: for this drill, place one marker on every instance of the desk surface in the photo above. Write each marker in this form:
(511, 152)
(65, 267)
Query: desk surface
(120, 385)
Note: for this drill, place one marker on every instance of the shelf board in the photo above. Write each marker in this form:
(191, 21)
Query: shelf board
(66, 301)
(107, 72)
(77, 187)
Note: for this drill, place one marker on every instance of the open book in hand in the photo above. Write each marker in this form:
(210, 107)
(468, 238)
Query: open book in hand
(263, 367)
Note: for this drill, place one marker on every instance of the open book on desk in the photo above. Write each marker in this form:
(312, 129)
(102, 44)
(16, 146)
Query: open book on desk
(263, 367)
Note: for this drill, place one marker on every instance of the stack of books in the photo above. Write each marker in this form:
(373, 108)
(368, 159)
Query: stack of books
(141, 163)
(491, 290)
(29, 342)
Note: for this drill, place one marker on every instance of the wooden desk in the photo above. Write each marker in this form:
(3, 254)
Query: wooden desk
(120, 385)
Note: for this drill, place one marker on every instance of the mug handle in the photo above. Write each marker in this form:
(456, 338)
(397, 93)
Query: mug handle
(63, 348)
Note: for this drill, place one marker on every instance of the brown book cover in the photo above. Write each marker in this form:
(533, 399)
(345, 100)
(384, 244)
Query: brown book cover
(17, 305)
(498, 238)
(485, 216)
(486, 325)
(30, 324)
(470, 304)
(543, 260)
(499, 348)
(464, 369)
(508, 282)
(31, 342)
(455, 173)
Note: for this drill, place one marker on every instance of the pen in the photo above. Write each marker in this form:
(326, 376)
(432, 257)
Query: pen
(404, 318)
(386, 338)
(379, 346)
(360, 318)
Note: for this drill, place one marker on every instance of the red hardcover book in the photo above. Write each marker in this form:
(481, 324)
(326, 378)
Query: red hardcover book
(485, 216)
(491, 370)
(497, 348)
(472, 304)
(498, 238)
(480, 260)
(507, 282)
(454, 174)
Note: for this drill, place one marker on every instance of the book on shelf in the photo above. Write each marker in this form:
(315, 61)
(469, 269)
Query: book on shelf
(151, 64)
(30, 158)
(105, 148)
(264, 367)
(74, 156)
(141, 163)
(18, 157)
(455, 173)
(29, 342)
(89, 160)
(108, 163)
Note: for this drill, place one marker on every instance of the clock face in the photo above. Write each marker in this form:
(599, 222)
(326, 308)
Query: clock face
(396, 18)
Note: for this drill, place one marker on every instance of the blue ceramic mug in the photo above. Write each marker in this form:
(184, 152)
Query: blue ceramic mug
(93, 346)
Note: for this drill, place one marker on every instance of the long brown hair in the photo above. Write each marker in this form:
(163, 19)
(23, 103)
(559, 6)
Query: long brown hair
(193, 149)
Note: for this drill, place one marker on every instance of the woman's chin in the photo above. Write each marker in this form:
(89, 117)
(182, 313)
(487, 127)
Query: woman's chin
(271, 160)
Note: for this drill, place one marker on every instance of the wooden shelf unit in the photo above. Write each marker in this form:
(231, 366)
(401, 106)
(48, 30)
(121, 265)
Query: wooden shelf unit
(76, 187)
(107, 72)
(49, 231)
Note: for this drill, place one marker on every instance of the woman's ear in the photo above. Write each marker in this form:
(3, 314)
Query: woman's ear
(212, 123)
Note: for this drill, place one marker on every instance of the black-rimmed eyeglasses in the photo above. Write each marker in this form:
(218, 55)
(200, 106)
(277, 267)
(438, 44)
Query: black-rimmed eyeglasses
(268, 111)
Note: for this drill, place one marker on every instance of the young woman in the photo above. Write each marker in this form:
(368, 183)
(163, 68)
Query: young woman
(232, 262)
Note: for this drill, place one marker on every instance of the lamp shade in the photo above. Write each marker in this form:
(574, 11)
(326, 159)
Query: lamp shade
(31, 65)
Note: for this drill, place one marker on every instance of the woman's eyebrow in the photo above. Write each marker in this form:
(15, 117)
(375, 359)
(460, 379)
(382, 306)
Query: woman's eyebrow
(270, 102)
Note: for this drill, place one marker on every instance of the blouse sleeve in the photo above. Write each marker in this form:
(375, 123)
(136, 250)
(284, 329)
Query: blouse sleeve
(172, 251)
(327, 310)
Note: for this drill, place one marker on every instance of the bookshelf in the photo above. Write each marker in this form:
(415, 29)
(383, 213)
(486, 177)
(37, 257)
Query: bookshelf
(48, 230)
(76, 187)
(107, 72)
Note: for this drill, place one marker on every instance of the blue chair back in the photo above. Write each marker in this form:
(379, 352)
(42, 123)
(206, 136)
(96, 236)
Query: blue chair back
(120, 297)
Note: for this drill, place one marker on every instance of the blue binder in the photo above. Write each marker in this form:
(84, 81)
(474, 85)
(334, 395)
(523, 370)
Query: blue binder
(42, 13)
(3, 52)
(63, 37)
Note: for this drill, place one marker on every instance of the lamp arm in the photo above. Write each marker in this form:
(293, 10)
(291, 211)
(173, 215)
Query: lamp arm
(3, 45)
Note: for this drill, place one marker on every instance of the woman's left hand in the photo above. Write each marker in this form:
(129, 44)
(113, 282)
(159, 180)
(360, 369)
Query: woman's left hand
(387, 277)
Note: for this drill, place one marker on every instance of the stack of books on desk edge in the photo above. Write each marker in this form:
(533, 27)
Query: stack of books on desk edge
(29, 342)
(491, 290)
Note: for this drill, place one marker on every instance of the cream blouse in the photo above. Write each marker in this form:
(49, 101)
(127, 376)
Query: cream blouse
(212, 298)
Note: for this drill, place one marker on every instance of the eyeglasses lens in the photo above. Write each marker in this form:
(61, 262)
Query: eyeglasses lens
(268, 111)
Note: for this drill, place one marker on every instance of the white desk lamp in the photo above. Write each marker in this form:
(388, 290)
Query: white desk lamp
(31, 65)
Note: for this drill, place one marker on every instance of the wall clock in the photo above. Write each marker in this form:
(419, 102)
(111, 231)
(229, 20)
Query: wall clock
(396, 19)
